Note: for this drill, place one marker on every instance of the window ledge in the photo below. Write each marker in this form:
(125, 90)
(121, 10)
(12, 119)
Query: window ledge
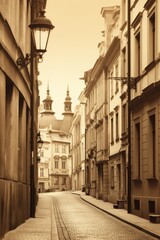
(152, 179)
(138, 180)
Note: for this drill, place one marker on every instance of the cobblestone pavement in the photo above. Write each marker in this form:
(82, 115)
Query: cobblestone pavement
(77, 220)
(57, 214)
(138, 222)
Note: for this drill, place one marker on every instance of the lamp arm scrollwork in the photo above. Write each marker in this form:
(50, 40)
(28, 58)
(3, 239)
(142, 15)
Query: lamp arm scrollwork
(22, 62)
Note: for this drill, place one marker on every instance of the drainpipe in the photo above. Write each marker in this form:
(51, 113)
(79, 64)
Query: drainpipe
(33, 152)
(129, 113)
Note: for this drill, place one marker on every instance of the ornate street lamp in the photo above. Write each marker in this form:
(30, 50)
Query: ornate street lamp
(39, 146)
(39, 141)
(40, 30)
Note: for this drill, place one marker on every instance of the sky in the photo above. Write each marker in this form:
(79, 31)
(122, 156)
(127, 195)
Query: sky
(72, 48)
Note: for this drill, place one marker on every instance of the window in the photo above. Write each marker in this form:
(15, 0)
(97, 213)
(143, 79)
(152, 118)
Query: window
(117, 83)
(56, 148)
(56, 164)
(112, 131)
(63, 181)
(124, 118)
(56, 180)
(152, 143)
(111, 80)
(124, 68)
(117, 127)
(63, 164)
(41, 172)
(137, 149)
(152, 37)
(138, 54)
(63, 148)
(136, 204)
(151, 206)
(112, 177)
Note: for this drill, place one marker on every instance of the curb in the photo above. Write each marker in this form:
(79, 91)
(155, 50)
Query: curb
(127, 222)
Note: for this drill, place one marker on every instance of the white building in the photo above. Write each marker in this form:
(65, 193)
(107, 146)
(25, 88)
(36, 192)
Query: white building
(77, 150)
(55, 164)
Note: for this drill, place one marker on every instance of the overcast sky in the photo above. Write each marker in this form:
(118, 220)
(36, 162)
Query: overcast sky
(72, 47)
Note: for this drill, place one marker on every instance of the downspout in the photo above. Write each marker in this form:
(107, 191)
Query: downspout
(129, 113)
(32, 166)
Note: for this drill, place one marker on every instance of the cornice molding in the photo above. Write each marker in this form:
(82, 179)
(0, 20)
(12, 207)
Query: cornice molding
(149, 4)
(137, 20)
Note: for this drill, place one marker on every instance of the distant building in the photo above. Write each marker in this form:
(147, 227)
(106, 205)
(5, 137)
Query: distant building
(103, 112)
(54, 172)
(77, 148)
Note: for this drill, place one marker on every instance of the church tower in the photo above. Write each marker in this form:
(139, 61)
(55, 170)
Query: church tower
(47, 102)
(67, 104)
(47, 117)
(68, 114)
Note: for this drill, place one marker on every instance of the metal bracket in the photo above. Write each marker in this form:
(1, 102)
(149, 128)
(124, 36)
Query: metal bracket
(125, 80)
(23, 62)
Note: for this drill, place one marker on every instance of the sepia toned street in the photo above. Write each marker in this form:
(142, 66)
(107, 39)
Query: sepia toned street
(79, 120)
(64, 215)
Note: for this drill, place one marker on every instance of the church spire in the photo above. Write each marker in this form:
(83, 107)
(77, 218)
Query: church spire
(67, 103)
(48, 100)
(48, 91)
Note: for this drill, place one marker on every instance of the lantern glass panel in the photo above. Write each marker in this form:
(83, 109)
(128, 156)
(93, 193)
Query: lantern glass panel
(41, 36)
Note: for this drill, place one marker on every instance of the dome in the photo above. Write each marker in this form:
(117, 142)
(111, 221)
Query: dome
(48, 120)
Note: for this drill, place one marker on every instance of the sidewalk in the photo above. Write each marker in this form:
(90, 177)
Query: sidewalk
(138, 222)
(43, 226)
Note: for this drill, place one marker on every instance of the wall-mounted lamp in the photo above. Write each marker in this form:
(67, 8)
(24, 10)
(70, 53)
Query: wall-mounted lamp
(40, 29)
(39, 145)
(39, 141)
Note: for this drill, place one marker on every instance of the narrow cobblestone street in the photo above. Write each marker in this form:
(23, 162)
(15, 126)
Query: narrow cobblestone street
(76, 219)
(68, 216)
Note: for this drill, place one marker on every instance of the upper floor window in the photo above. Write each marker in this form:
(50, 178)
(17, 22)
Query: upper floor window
(63, 148)
(124, 118)
(56, 148)
(136, 25)
(124, 68)
(138, 55)
(150, 6)
(117, 82)
(152, 37)
(41, 172)
(117, 126)
(112, 131)
(111, 80)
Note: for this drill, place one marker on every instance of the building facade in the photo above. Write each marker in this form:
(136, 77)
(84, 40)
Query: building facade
(103, 112)
(54, 169)
(122, 110)
(18, 115)
(145, 108)
(77, 147)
